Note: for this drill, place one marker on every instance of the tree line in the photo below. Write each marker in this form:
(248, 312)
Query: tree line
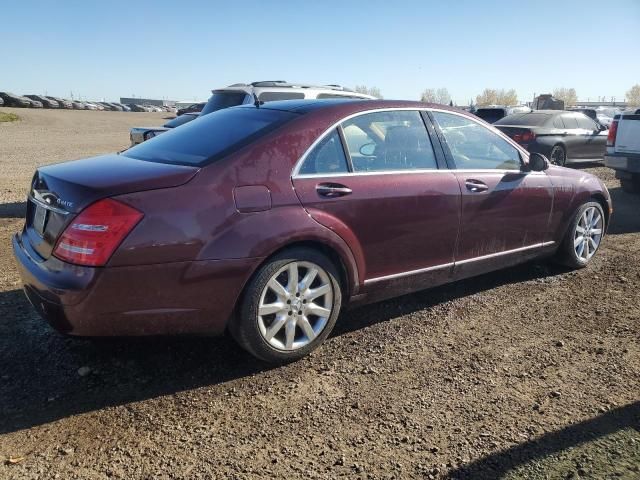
(491, 96)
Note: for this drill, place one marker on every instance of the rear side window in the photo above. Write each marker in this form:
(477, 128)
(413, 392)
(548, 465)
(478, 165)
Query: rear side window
(569, 120)
(273, 96)
(474, 146)
(395, 140)
(211, 137)
(327, 157)
(223, 99)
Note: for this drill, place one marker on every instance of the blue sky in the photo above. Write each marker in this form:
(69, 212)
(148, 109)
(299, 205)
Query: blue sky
(183, 49)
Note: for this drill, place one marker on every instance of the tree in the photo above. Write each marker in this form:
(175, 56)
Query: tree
(569, 96)
(373, 91)
(440, 95)
(497, 97)
(633, 96)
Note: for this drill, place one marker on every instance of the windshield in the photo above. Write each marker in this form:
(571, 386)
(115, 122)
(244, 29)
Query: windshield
(532, 119)
(211, 137)
(223, 99)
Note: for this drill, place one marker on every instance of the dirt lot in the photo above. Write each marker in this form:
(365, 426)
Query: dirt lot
(533, 372)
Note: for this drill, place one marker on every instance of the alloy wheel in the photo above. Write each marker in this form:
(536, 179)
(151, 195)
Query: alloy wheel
(295, 305)
(588, 233)
(558, 156)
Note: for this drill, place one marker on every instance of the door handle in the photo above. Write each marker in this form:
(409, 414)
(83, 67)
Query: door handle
(332, 190)
(476, 186)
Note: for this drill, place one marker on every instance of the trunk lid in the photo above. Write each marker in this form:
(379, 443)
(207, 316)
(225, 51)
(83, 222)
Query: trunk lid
(59, 192)
(628, 135)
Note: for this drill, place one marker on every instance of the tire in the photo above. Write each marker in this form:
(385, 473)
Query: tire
(558, 156)
(268, 336)
(570, 253)
(631, 185)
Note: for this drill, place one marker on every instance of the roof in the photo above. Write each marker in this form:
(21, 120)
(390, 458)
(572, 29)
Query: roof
(346, 105)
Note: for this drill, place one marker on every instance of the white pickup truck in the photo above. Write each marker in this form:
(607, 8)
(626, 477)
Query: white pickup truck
(623, 150)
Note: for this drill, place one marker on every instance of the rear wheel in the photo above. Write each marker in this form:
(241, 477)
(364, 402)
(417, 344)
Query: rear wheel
(289, 307)
(558, 156)
(583, 236)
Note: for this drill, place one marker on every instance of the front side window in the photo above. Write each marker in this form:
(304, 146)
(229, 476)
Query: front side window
(326, 157)
(585, 122)
(474, 146)
(395, 140)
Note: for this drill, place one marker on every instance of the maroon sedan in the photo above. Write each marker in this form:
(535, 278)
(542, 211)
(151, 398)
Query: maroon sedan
(265, 220)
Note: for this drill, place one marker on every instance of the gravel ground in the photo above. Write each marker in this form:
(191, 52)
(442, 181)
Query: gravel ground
(532, 372)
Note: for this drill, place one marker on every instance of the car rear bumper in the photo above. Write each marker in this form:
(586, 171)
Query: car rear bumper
(196, 297)
(623, 162)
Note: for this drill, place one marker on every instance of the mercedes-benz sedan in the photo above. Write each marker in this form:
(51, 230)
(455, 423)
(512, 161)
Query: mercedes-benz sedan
(265, 220)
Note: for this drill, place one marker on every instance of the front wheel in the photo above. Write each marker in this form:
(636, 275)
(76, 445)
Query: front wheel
(583, 236)
(289, 307)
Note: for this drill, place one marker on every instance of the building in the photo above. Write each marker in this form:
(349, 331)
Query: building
(148, 101)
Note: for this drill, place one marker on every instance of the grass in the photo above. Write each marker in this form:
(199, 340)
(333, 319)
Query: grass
(8, 117)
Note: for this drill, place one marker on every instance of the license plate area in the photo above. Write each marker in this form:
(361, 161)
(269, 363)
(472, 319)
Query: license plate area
(40, 219)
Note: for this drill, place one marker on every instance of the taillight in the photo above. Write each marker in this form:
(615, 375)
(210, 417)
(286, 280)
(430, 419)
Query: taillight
(613, 131)
(528, 137)
(96, 232)
(524, 137)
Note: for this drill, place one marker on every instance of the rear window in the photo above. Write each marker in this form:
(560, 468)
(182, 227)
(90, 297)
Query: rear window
(490, 115)
(181, 120)
(223, 99)
(211, 137)
(530, 119)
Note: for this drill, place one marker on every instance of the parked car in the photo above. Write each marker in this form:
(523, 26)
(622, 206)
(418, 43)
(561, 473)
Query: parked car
(562, 136)
(90, 106)
(12, 100)
(193, 108)
(1, 102)
(198, 233)
(77, 105)
(136, 108)
(123, 107)
(269, 91)
(262, 92)
(140, 134)
(62, 102)
(493, 113)
(36, 104)
(46, 102)
(623, 150)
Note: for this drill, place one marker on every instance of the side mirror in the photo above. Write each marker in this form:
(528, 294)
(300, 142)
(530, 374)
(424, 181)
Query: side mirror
(368, 149)
(602, 127)
(538, 162)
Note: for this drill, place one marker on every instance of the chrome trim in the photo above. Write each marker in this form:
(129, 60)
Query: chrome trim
(409, 273)
(506, 252)
(48, 206)
(298, 165)
(453, 264)
(417, 170)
